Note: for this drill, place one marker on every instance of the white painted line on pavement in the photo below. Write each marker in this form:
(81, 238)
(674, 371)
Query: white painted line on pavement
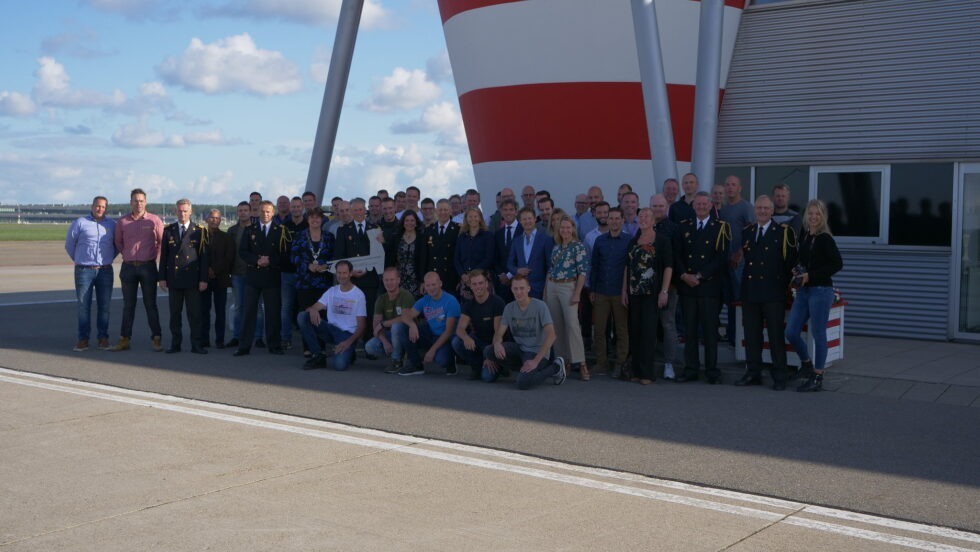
(403, 444)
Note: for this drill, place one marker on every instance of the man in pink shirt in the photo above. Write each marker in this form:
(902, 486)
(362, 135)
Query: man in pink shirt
(138, 237)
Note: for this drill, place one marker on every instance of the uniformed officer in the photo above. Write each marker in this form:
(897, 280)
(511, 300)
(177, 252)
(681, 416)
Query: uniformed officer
(352, 241)
(184, 262)
(263, 246)
(439, 247)
(769, 250)
(702, 265)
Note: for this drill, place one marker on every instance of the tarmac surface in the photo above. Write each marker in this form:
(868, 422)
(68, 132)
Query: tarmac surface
(189, 452)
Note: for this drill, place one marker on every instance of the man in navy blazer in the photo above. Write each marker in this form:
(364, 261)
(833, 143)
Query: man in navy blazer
(264, 245)
(530, 254)
(502, 240)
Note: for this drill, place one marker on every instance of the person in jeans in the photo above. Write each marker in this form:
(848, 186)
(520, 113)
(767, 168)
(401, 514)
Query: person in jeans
(89, 243)
(345, 321)
(441, 313)
(478, 322)
(236, 231)
(819, 259)
(670, 314)
(390, 334)
(295, 223)
(138, 236)
(530, 324)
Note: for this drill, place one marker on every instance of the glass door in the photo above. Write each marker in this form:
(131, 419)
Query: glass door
(966, 252)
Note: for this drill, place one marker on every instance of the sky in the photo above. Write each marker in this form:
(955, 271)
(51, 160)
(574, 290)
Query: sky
(211, 99)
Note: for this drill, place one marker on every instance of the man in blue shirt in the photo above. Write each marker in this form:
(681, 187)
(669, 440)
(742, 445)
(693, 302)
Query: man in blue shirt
(606, 282)
(90, 244)
(441, 312)
(530, 254)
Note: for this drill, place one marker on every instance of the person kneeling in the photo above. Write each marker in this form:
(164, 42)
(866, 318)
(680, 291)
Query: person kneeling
(441, 312)
(478, 322)
(346, 319)
(531, 326)
(390, 334)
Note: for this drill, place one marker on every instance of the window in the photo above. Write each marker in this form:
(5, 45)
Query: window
(796, 177)
(921, 204)
(856, 199)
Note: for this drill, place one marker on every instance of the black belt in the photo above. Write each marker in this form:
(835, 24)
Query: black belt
(138, 263)
(96, 267)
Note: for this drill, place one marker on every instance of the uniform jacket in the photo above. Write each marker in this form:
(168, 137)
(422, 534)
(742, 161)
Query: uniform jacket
(705, 253)
(255, 244)
(349, 244)
(184, 263)
(768, 262)
(438, 254)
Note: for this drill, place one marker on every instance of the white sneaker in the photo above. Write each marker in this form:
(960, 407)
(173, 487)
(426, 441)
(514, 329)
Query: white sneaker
(560, 375)
(669, 371)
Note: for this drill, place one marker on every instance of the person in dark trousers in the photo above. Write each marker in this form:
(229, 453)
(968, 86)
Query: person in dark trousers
(223, 254)
(262, 248)
(183, 272)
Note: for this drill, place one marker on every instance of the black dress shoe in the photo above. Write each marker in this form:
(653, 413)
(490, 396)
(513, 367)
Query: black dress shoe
(778, 385)
(199, 350)
(318, 360)
(683, 378)
(748, 380)
(240, 352)
(172, 350)
(714, 380)
(259, 343)
(275, 350)
(219, 344)
(206, 344)
(232, 343)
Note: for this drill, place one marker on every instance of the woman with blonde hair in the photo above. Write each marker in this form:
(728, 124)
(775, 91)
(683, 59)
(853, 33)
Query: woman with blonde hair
(819, 260)
(566, 278)
(474, 250)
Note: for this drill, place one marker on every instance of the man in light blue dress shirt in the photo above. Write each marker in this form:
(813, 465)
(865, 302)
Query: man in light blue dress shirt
(90, 244)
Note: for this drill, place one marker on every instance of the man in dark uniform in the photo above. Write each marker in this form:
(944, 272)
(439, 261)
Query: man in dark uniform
(390, 227)
(184, 274)
(262, 248)
(222, 256)
(353, 241)
(439, 247)
(702, 264)
(770, 253)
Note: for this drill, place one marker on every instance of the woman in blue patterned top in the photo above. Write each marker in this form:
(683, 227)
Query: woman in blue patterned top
(566, 278)
(649, 262)
(312, 249)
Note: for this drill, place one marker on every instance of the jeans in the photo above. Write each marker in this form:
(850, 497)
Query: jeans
(329, 334)
(813, 303)
(397, 335)
(238, 316)
(473, 358)
(87, 280)
(444, 356)
(218, 295)
(513, 360)
(133, 277)
(288, 289)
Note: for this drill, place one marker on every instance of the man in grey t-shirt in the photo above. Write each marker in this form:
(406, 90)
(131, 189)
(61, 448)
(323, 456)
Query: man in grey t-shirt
(738, 213)
(534, 333)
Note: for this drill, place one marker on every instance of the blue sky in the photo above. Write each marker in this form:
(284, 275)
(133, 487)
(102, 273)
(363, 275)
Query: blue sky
(212, 99)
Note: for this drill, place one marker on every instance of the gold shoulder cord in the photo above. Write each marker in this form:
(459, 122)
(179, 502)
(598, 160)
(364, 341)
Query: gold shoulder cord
(786, 240)
(724, 233)
(284, 238)
(205, 238)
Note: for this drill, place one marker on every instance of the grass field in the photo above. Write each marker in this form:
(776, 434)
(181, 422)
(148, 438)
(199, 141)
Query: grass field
(33, 232)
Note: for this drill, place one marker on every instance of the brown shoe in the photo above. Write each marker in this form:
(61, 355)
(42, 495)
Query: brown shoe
(157, 344)
(104, 344)
(82, 345)
(122, 345)
(583, 372)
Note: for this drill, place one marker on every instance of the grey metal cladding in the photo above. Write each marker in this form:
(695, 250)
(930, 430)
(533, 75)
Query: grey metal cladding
(854, 81)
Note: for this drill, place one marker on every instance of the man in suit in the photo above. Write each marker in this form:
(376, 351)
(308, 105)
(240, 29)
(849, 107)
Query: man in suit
(438, 247)
(353, 241)
(530, 254)
(769, 254)
(702, 264)
(263, 247)
(503, 238)
(222, 256)
(184, 274)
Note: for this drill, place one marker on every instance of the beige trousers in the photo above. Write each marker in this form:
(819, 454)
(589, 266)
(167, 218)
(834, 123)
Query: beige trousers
(568, 345)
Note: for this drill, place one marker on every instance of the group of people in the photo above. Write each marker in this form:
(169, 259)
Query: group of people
(524, 290)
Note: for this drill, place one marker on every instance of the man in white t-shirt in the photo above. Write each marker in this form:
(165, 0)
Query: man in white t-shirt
(346, 320)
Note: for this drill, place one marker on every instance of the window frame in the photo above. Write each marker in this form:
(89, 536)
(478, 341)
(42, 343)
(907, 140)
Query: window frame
(884, 200)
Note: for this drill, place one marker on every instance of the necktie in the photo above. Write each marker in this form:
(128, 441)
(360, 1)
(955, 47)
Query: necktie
(265, 230)
(182, 230)
(758, 235)
(509, 237)
(700, 225)
(360, 230)
(442, 229)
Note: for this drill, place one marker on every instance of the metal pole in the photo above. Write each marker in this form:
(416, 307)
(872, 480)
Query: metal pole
(333, 96)
(710, 29)
(659, 128)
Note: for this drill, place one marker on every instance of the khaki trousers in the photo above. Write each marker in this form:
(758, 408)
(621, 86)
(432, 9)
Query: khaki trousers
(568, 345)
(601, 309)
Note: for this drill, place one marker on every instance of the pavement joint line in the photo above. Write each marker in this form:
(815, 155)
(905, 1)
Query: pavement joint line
(758, 531)
(162, 402)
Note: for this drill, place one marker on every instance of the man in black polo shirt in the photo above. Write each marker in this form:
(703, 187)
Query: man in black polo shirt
(478, 322)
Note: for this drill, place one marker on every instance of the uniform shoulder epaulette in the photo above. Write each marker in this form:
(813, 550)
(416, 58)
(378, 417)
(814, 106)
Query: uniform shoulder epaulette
(749, 225)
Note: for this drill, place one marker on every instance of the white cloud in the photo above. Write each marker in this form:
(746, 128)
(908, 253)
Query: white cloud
(52, 88)
(322, 13)
(80, 42)
(15, 104)
(78, 130)
(437, 173)
(232, 64)
(402, 90)
(320, 65)
(141, 136)
(441, 118)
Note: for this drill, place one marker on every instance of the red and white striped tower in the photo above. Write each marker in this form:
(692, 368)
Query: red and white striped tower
(550, 90)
